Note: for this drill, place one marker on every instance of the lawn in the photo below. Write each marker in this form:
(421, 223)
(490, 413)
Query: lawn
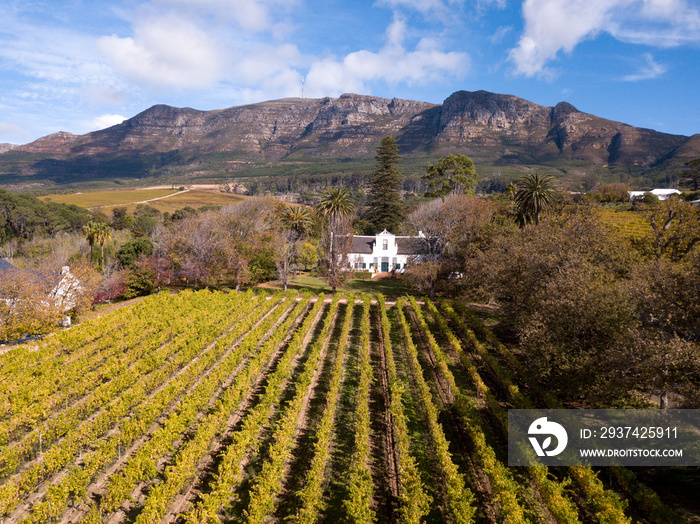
(389, 287)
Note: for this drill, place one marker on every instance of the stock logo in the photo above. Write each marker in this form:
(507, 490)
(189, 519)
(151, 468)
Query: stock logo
(541, 427)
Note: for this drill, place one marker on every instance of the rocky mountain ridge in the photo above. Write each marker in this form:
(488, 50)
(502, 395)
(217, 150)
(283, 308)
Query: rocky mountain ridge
(501, 132)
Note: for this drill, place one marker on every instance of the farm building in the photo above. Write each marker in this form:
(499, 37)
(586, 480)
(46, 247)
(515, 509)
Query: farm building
(385, 252)
(661, 194)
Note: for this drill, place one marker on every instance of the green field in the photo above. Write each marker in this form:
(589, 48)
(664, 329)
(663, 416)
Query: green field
(108, 198)
(105, 200)
(625, 221)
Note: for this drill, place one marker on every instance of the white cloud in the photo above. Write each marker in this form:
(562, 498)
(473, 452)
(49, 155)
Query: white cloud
(166, 51)
(264, 62)
(423, 6)
(14, 134)
(499, 34)
(104, 121)
(33, 51)
(393, 64)
(100, 95)
(651, 69)
(552, 26)
(250, 15)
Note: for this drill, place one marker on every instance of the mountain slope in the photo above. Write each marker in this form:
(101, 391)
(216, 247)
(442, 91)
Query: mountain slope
(294, 135)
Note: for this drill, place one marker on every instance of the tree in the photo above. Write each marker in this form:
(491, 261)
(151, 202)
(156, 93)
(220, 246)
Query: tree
(297, 219)
(511, 191)
(535, 196)
(667, 294)
(424, 276)
(25, 308)
(385, 209)
(336, 202)
(286, 254)
(130, 251)
(558, 286)
(336, 235)
(336, 243)
(675, 226)
(90, 232)
(448, 231)
(242, 235)
(453, 175)
(102, 234)
(308, 255)
(694, 166)
(120, 220)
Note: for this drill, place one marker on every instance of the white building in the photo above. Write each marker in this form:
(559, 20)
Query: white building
(661, 194)
(384, 252)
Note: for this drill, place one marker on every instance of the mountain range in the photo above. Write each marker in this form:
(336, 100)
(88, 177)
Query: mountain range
(501, 133)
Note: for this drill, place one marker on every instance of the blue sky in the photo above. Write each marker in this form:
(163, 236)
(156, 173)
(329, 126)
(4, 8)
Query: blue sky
(82, 65)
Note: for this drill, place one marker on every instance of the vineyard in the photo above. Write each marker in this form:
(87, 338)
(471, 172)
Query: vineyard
(211, 407)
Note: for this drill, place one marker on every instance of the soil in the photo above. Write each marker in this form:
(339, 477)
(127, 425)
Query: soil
(383, 448)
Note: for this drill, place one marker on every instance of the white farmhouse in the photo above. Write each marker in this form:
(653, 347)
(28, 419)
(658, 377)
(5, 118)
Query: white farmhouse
(384, 252)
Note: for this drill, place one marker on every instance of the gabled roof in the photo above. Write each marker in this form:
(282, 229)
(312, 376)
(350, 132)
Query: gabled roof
(362, 244)
(409, 245)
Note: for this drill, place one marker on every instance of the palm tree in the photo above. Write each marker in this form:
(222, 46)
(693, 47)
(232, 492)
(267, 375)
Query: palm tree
(102, 235)
(337, 202)
(298, 219)
(90, 233)
(337, 207)
(535, 196)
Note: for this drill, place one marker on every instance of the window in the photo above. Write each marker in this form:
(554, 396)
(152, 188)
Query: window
(385, 244)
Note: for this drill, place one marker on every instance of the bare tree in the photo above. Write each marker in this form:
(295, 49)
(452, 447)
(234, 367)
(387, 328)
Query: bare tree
(286, 252)
(9, 250)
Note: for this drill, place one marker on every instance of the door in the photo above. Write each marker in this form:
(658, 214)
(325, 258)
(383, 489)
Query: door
(385, 264)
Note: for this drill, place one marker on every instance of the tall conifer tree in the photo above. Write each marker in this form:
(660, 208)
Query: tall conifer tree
(385, 207)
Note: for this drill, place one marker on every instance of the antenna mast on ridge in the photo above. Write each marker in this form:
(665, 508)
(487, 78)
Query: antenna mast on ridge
(303, 79)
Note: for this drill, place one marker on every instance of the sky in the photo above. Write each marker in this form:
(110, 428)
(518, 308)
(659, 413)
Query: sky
(83, 65)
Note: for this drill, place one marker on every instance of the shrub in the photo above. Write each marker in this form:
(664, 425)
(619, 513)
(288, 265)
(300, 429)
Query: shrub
(610, 193)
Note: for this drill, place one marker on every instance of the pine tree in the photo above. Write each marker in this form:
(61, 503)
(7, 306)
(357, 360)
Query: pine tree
(385, 209)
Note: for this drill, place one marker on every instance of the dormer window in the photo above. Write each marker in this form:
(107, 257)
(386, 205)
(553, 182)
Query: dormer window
(385, 244)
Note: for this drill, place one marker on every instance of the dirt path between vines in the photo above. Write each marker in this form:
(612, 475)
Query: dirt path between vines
(383, 458)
